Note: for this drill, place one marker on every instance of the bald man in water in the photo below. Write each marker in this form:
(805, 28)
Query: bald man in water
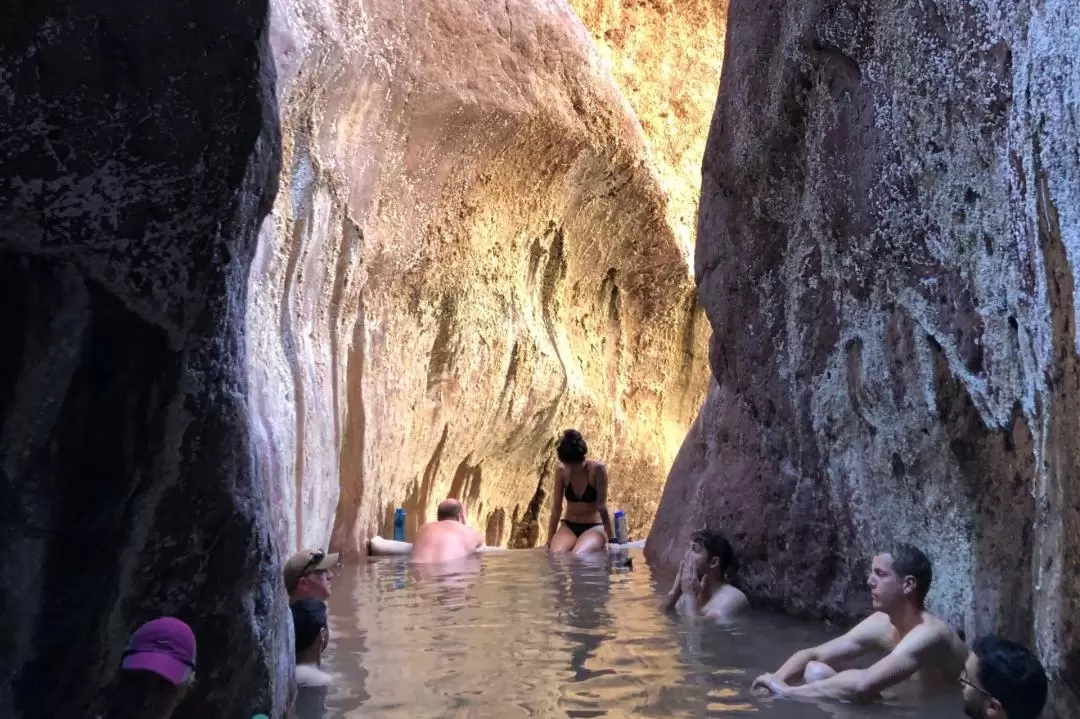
(447, 538)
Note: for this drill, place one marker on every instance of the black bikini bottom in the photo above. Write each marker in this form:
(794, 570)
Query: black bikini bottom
(579, 528)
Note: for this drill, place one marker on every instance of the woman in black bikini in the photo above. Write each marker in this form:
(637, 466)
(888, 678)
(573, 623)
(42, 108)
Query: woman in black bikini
(584, 484)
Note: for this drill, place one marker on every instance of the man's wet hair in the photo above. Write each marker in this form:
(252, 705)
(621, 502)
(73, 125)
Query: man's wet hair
(908, 561)
(571, 448)
(309, 618)
(1012, 675)
(716, 545)
(448, 509)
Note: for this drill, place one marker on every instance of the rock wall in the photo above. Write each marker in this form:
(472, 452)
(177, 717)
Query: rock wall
(136, 171)
(887, 255)
(666, 58)
(470, 252)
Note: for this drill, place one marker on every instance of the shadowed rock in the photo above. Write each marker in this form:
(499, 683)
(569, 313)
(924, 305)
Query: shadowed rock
(139, 150)
(887, 233)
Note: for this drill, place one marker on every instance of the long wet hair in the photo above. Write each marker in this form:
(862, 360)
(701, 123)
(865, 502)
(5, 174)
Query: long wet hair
(571, 448)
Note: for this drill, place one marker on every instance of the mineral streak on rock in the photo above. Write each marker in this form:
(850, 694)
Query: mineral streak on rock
(887, 239)
(470, 251)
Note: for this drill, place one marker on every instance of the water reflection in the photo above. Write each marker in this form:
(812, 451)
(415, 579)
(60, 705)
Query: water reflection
(522, 634)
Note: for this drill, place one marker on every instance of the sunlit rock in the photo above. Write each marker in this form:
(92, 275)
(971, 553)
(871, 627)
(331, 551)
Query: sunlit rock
(470, 251)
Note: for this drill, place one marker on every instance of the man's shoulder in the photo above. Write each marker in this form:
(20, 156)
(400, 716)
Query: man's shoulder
(938, 630)
(932, 635)
(875, 631)
(728, 600)
(877, 622)
(309, 676)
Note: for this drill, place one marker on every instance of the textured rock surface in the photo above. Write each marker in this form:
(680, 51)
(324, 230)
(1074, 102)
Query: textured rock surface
(469, 251)
(666, 58)
(139, 152)
(886, 252)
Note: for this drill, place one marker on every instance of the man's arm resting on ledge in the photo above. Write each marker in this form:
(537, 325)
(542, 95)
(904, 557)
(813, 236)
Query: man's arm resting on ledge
(861, 685)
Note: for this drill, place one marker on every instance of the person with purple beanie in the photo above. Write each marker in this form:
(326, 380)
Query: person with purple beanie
(157, 668)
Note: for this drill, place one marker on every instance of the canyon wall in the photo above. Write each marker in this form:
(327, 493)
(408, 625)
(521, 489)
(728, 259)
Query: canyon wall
(470, 251)
(889, 222)
(666, 58)
(139, 146)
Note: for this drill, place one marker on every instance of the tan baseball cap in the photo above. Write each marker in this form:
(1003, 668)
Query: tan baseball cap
(305, 562)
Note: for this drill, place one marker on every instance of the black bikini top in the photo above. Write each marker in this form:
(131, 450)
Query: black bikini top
(588, 496)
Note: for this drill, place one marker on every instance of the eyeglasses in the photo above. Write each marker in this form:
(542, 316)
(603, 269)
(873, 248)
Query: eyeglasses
(968, 683)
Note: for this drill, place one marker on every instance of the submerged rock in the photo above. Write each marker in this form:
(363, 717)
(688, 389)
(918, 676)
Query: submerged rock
(886, 252)
(470, 252)
(139, 147)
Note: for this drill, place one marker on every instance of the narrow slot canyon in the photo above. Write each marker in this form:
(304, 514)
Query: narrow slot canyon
(801, 271)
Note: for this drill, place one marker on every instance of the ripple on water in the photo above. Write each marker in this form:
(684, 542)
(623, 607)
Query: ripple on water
(519, 634)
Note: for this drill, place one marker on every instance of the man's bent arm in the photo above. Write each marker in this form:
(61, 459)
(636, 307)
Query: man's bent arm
(861, 638)
(859, 685)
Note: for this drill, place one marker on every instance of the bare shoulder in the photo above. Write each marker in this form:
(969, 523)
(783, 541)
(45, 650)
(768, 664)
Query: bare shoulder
(876, 630)
(598, 468)
(941, 633)
(726, 604)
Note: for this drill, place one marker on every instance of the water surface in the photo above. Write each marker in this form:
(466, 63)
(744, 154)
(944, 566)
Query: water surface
(521, 634)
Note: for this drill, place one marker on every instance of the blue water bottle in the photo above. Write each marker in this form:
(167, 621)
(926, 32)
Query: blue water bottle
(620, 527)
(399, 525)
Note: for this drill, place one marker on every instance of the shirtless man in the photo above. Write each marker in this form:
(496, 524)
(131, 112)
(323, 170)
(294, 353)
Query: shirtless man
(701, 586)
(918, 643)
(448, 538)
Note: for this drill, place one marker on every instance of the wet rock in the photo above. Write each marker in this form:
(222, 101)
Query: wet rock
(470, 251)
(886, 249)
(139, 150)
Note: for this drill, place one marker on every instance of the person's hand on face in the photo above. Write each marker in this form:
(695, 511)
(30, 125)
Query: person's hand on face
(691, 584)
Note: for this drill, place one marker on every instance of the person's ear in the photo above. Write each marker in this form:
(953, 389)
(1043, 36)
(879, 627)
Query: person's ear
(994, 710)
(908, 584)
(324, 637)
(714, 562)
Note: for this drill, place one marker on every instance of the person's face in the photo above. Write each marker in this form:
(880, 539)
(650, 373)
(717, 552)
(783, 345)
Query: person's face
(978, 703)
(316, 584)
(699, 559)
(886, 587)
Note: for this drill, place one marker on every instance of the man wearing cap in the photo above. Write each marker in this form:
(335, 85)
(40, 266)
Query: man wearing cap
(308, 574)
(157, 668)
